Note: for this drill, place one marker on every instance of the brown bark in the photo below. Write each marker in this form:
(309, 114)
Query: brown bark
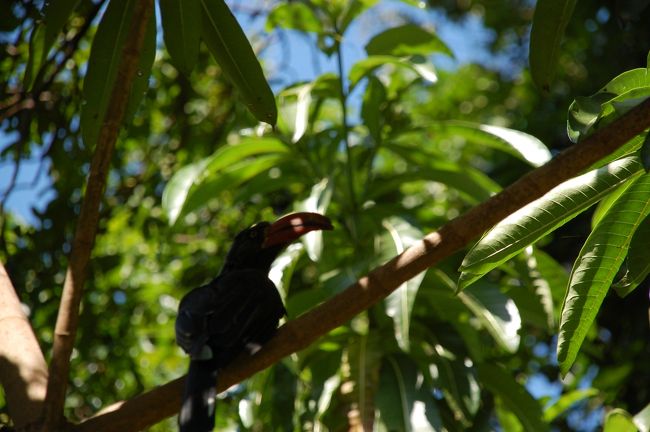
(68, 315)
(23, 371)
(164, 401)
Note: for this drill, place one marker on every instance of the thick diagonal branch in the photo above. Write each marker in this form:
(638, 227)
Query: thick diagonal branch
(23, 371)
(153, 406)
(68, 315)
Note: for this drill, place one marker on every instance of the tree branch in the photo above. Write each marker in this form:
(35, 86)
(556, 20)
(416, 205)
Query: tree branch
(164, 401)
(23, 371)
(68, 315)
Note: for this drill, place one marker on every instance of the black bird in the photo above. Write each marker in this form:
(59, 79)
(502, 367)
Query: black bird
(237, 311)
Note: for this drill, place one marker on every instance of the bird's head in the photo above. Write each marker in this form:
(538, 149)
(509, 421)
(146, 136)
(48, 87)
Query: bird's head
(256, 247)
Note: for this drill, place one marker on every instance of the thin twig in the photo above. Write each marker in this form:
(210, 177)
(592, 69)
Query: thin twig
(68, 315)
(151, 407)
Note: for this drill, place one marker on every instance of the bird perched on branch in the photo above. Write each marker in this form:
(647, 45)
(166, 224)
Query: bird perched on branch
(237, 311)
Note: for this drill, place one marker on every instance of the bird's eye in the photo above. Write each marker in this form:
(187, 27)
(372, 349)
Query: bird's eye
(253, 234)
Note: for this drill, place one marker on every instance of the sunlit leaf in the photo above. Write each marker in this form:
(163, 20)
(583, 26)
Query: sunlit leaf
(619, 95)
(229, 46)
(535, 220)
(351, 10)
(182, 33)
(497, 313)
(317, 202)
(193, 186)
(176, 191)
(519, 144)
(514, 396)
(366, 66)
(535, 299)
(618, 420)
(325, 86)
(642, 418)
(407, 39)
(637, 264)
(296, 16)
(467, 180)
(597, 265)
(549, 23)
(566, 401)
(399, 304)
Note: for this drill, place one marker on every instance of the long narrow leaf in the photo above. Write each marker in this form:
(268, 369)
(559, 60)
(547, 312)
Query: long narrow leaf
(105, 57)
(399, 304)
(497, 313)
(408, 39)
(519, 144)
(549, 22)
(566, 401)
(181, 32)
(397, 393)
(230, 48)
(44, 35)
(542, 216)
(597, 265)
(186, 188)
(637, 263)
(513, 395)
(364, 67)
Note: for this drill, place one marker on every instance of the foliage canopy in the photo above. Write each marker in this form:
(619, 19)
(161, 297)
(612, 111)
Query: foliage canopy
(519, 330)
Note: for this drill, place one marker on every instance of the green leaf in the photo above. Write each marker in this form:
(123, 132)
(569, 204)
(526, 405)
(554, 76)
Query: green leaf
(514, 396)
(535, 299)
(283, 267)
(596, 266)
(497, 313)
(399, 304)
(181, 31)
(179, 185)
(317, 202)
(405, 40)
(619, 95)
(366, 66)
(296, 16)
(44, 35)
(457, 383)
(197, 181)
(472, 183)
(373, 98)
(637, 264)
(642, 418)
(105, 58)
(397, 393)
(325, 85)
(549, 23)
(566, 401)
(351, 10)
(535, 220)
(364, 360)
(519, 144)
(230, 48)
(618, 420)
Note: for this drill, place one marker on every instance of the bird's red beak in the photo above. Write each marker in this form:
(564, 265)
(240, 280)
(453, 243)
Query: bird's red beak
(290, 227)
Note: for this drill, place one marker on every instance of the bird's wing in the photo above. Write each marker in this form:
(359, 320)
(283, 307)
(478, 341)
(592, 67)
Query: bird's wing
(221, 318)
(247, 300)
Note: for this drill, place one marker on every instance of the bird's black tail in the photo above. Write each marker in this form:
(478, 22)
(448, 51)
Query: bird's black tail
(199, 398)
